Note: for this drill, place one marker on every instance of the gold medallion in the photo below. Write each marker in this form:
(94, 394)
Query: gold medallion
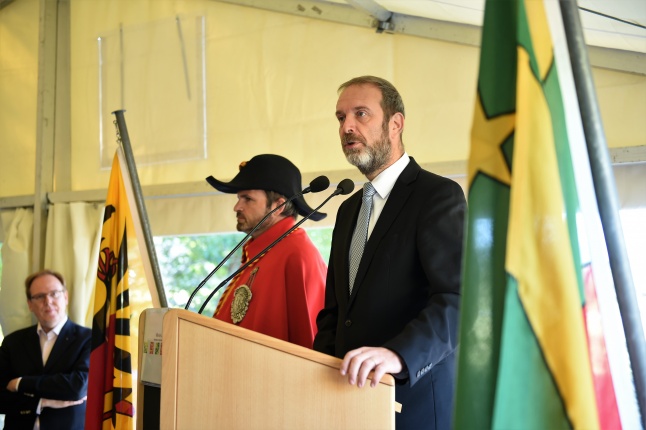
(240, 304)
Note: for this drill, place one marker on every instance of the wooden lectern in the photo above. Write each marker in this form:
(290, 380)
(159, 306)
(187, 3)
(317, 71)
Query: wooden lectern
(216, 375)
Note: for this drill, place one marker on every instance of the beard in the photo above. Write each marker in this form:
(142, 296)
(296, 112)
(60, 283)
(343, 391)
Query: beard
(243, 226)
(246, 223)
(368, 159)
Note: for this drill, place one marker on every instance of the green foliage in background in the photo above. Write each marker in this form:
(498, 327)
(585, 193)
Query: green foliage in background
(321, 237)
(184, 261)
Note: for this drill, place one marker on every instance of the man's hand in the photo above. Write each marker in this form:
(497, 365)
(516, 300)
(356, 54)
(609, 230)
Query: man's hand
(13, 385)
(58, 404)
(358, 363)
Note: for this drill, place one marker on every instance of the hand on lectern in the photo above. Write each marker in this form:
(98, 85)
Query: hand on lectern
(358, 363)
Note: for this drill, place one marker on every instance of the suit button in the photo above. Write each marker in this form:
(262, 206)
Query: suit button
(348, 323)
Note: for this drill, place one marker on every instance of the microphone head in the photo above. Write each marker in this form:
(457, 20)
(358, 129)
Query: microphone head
(319, 184)
(346, 186)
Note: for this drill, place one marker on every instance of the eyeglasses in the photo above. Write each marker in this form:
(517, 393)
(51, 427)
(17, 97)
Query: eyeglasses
(54, 295)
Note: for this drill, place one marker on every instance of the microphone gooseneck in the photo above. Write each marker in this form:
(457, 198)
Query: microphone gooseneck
(318, 184)
(345, 187)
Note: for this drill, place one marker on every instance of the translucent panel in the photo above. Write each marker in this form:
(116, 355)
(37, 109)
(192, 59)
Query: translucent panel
(156, 73)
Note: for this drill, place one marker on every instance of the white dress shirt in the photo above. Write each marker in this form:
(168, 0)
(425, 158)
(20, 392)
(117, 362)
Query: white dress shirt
(47, 341)
(384, 183)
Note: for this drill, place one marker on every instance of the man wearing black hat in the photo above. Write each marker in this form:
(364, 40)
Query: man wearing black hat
(281, 292)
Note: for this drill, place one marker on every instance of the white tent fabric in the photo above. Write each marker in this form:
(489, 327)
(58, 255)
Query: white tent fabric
(269, 83)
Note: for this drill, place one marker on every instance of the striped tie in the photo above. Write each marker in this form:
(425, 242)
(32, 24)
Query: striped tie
(360, 232)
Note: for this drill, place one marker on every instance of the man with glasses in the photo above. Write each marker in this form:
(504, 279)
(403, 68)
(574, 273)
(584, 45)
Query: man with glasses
(44, 368)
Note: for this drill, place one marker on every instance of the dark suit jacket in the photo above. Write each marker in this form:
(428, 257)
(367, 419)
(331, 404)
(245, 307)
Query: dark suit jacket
(64, 377)
(407, 291)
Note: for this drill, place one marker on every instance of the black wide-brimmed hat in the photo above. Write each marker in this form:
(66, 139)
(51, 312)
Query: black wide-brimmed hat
(268, 172)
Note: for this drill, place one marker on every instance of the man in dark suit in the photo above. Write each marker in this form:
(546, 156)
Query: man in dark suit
(394, 308)
(44, 368)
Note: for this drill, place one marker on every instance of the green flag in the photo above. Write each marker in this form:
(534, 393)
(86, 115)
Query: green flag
(525, 355)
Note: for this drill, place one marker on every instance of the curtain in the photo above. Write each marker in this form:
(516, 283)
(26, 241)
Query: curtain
(16, 233)
(72, 248)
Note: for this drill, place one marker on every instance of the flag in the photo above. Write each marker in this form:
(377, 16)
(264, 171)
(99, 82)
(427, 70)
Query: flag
(530, 354)
(110, 396)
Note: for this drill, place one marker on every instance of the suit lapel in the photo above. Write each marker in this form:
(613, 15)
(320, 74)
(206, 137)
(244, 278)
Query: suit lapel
(60, 346)
(395, 204)
(33, 348)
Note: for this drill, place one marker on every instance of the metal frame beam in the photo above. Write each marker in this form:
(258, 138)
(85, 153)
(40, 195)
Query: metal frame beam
(375, 10)
(453, 169)
(45, 124)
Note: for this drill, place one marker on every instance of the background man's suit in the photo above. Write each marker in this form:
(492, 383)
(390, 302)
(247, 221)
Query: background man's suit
(407, 290)
(64, 377)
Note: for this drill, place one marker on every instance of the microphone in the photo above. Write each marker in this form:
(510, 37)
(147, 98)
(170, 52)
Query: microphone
(345, 187)
(318, 184)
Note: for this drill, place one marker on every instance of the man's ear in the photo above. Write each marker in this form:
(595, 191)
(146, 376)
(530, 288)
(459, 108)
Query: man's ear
(396, 124)
(279, 201)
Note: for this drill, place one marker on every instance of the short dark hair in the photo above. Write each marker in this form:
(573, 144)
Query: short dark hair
(391, 100)
(31, 278)
(288, 210)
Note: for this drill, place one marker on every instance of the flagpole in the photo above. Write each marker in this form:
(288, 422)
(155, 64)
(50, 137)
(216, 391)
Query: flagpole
(605, 189)
(141, 208)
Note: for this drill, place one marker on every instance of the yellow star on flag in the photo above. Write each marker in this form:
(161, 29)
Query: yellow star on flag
(487, 137)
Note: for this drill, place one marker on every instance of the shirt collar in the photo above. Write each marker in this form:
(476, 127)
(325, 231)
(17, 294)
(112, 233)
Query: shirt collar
(57, 329)
(385, 181)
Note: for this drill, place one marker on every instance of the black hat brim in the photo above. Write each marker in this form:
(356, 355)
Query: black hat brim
(238, 184)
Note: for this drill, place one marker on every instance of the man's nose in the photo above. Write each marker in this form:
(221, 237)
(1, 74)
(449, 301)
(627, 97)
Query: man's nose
(348, 126)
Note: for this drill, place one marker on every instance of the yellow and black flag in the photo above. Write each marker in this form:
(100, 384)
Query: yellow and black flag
(110, 396)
